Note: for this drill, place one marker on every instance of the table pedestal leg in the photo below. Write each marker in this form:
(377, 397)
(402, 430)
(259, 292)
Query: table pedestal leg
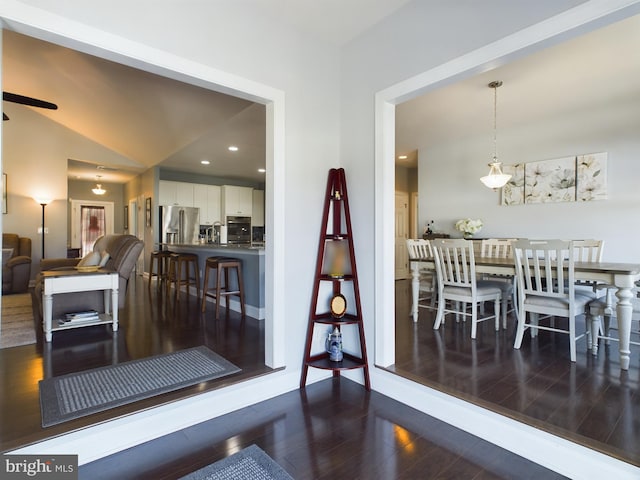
(624, 310)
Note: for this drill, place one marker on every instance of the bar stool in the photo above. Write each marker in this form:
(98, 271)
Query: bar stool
(159, 266)
(179, 264)
(222, 265)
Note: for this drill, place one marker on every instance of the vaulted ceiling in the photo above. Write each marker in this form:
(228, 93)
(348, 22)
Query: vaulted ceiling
(145, 120)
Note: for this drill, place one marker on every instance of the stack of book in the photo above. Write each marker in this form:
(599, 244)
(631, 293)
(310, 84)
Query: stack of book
(80, 317)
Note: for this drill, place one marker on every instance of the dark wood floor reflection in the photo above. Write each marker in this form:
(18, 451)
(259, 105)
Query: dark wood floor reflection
(591, 401)
(333, 429)
(150, 324)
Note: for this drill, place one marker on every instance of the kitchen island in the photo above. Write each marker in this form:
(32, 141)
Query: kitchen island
(253, 275)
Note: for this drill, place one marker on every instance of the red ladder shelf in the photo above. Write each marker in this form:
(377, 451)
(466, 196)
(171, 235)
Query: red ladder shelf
(334, 276)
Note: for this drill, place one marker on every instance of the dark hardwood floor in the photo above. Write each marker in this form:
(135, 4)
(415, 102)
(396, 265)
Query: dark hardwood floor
(591, 402)
(150, 324)
(326, 431)
(333, 429)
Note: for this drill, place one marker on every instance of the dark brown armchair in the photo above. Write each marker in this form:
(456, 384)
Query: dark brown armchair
(123, 251)
(16, 263)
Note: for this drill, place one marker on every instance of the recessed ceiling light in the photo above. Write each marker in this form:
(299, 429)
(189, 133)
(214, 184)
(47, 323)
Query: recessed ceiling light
(402, 157)
(262, 170)
(205, 162)
(233, 148)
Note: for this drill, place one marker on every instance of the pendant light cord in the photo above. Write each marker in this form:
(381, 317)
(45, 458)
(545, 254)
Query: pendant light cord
(495, 121)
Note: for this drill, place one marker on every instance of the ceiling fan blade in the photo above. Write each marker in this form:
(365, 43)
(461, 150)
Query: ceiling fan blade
(32, 102)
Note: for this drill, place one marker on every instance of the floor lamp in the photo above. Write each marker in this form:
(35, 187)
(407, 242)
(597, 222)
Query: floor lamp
(44, 202)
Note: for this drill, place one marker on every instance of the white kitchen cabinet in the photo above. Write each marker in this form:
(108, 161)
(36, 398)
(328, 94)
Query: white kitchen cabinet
(175, 193)
(184, 194)
(207, 199)
(167, 193)
(237, 201)
(257, 215)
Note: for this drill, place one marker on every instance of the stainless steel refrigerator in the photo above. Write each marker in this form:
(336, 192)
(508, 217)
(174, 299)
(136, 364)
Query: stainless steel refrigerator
(179, 224)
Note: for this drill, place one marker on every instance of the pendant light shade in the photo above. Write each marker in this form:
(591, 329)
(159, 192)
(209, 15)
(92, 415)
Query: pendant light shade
(495, 179)
(98, 190)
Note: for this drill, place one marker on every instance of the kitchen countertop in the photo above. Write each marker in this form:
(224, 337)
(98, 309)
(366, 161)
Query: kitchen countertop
(209, 246)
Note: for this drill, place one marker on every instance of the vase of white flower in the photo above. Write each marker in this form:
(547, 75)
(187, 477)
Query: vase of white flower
(469, 227)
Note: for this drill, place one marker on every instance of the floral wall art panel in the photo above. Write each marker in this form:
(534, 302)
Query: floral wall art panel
(591, 177)
(550, 181)
(513, 191)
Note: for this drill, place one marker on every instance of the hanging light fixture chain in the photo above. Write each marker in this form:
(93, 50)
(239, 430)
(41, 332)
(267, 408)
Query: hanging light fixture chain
(496, 179)
(495, 86)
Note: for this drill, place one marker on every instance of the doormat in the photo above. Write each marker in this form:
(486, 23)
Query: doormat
(250, 463)
(79, 394)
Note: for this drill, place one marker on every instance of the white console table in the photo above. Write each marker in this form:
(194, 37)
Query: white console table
(67, 281)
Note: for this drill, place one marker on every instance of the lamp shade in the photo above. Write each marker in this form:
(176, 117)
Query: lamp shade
(496, 179)
(42, 200)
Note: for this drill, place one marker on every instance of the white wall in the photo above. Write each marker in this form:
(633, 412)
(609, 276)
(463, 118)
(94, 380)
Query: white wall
(418, 40)
(450, 189)
(230, 37)
(236, 42)
(419, 37)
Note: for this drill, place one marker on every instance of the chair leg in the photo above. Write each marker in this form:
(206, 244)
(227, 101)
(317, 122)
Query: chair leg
(533, 325)
(496, 306)
(505, 309)
(520, 331)
(595, 330)
(572, 338)
(607, 328)
(439, 314)
(474, 319)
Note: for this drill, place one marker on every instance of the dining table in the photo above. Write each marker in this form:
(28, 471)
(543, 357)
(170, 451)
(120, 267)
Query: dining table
(621, 275)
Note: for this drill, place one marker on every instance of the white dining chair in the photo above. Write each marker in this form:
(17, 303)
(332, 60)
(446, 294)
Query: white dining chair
(501, 248)
(457, 283)
(603, 310)
(588, 250)
(427, 289)
(546, 286)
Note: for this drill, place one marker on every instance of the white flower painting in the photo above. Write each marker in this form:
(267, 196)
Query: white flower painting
(591, 177)
(582, 178)
(513, 191)
(550, 181)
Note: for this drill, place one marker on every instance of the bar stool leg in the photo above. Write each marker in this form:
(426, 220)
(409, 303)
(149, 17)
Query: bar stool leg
(218, 283)
(196, 272)
(205, 286)
(241, 289)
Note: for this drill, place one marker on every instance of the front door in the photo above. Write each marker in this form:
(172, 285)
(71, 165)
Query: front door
(89, 220)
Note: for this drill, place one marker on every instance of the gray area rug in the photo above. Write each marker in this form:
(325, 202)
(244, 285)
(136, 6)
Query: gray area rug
(248, 464)
(17, 321)
(79, 394)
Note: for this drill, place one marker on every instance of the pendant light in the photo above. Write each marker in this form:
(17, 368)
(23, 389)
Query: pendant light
(495, 179)
(98, 190)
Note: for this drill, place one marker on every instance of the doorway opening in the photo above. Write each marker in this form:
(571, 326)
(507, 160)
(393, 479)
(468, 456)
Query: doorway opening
(89, 220)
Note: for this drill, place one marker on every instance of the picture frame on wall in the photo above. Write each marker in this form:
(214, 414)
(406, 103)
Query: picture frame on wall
(126, 217)
(147, 210)
(4, 193)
